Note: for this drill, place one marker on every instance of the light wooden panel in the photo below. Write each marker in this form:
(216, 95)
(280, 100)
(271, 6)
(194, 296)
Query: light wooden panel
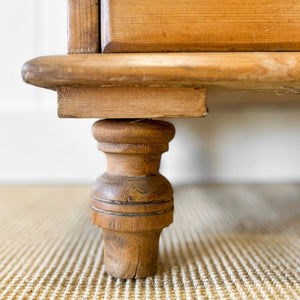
(83, 26)
(131, 102)
(200, 25)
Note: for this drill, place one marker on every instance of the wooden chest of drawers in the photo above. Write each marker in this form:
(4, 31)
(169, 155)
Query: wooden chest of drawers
(211, 43)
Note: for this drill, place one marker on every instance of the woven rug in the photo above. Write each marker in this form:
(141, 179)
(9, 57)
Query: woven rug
(227, 242)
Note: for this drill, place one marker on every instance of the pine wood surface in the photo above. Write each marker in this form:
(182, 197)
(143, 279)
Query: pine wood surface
(131, 102)
(200, 25)
(83, 26)
(242, 71)
(132, 202)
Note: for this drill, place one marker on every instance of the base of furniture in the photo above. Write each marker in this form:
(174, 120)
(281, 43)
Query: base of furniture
(132, 202)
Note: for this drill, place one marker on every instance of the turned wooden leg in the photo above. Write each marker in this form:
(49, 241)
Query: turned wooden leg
(132, 202)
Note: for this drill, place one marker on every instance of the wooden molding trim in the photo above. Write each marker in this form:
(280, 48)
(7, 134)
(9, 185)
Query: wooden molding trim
(131, 102)
(279, 71)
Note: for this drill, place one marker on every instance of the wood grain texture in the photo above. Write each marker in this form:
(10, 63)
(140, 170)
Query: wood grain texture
(131, 102)
(240, 70)
(132, 202)
(83, 26)
(200, 25)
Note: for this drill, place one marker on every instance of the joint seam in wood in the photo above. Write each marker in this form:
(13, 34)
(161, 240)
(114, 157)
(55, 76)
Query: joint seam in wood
(130, 203)
(160, 212)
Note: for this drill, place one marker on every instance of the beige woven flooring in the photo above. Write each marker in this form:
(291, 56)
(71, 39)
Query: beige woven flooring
(227, 242)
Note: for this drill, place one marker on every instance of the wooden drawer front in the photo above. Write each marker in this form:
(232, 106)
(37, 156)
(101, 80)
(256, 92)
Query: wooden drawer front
(200, 25)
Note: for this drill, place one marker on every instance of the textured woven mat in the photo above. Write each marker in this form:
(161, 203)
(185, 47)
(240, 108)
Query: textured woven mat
(227, 242)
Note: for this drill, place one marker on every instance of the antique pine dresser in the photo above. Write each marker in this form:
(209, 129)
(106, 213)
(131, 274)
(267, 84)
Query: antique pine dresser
(132, 61)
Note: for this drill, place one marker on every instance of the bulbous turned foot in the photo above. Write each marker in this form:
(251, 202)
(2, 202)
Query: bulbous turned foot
(132, 202)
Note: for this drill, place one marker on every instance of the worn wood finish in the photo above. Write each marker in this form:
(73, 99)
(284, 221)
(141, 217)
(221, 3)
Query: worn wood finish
(279, 72)
(200, 25)
(131, 102)
(83, 26)
(132, 202)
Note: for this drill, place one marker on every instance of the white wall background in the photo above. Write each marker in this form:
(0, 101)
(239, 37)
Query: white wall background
(236, 143)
